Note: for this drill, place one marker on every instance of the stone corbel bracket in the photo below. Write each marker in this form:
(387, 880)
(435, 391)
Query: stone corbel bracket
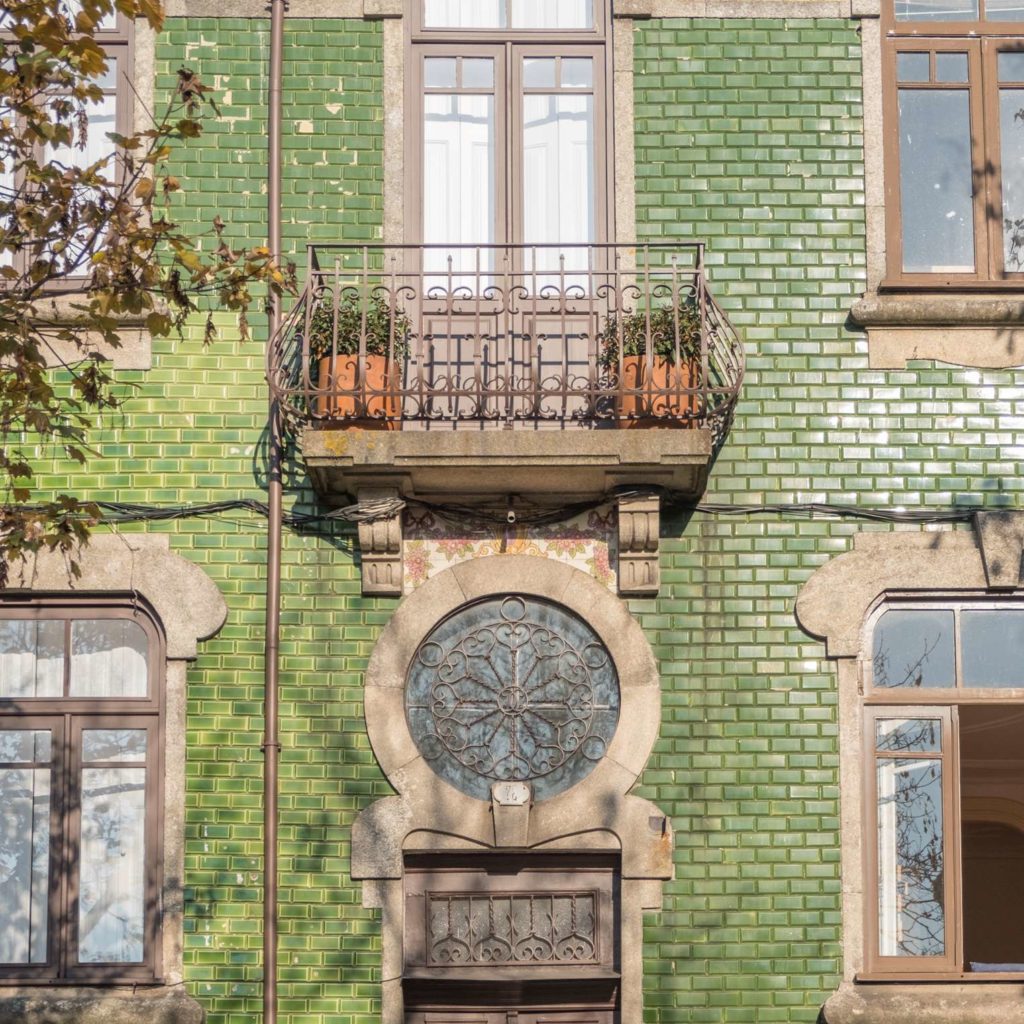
(381, 548)
(639, 528)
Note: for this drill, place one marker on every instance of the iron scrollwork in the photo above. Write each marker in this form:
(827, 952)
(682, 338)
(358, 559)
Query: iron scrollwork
(512, 689)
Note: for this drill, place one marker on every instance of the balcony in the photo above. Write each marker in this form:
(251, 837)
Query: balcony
(475, 372)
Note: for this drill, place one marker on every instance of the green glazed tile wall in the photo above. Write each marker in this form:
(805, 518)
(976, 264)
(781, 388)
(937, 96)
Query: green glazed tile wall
(748, 135)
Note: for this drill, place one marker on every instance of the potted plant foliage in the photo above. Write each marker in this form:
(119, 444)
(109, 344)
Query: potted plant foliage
(657, 397)
(335, 360)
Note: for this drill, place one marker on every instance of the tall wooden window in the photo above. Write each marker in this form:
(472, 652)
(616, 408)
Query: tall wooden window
(944, 729)
(509, 140)
(954, 95)
(80, 743)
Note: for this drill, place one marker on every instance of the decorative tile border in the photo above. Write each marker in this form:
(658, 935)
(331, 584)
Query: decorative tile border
(587, 542)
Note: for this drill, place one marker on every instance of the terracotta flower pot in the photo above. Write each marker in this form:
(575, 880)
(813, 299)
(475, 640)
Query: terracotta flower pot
(642, 406)
(339, 372)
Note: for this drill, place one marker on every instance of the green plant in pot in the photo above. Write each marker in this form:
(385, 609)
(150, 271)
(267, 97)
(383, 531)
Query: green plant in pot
(335, 359)
(655, 395)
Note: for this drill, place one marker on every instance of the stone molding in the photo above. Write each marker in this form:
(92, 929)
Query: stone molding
(835, 604)
(644, 9)
(189, 608)
(381, 549)
(639, 544)
(428, 814)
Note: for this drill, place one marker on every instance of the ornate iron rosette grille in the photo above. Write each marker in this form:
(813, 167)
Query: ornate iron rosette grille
(512, 689)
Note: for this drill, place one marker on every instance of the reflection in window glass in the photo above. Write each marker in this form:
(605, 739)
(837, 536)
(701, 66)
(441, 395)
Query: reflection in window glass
(951, 67)
(1011, 159)
(113, 745)
(936, 192)
(993, 647)
(108, 658)
(24, 846)
(912, 67)
(1011, 66)
(1004, 10)
(914, 647)
(911, 912)
(31, 658)
(909, 735)
(936, 10)
(519, 14)
(111, 910)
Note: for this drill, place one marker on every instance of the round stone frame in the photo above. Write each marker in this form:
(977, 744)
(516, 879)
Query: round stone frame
(421, 611)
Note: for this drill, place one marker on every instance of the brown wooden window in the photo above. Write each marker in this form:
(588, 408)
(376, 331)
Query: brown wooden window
(111, 113)
(509, 139)
(944, 735)
(80, 759)
(954, 96)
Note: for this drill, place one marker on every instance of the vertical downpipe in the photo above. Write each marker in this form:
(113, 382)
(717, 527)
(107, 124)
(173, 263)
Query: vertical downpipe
(271, 740)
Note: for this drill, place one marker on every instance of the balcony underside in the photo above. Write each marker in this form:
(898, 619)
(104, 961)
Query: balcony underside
(544, 466)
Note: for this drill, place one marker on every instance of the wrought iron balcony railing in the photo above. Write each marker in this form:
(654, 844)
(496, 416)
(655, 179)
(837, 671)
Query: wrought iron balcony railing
(465, 337)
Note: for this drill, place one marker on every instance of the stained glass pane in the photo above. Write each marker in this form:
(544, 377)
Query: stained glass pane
(516, 689)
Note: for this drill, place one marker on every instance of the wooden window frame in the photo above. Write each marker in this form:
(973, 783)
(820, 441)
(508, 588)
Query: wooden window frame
(509, 47)
(67, 717)
(118, 42)
(928, 703)
(982, 40)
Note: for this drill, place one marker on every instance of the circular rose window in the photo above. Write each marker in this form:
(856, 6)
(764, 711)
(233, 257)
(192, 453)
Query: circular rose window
(512, 689)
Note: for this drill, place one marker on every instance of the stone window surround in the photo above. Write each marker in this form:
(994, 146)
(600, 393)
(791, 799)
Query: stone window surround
(835, 604)
(189, 608)
(980, 330)
(429, 815)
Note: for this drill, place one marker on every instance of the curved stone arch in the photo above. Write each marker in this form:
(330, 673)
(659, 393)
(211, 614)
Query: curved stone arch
(429, 815)
(188, 607)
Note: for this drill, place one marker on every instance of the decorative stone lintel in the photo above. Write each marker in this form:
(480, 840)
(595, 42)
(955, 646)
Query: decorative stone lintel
(380, 543)
(374, 10)
(639, 526)
(1001, 537)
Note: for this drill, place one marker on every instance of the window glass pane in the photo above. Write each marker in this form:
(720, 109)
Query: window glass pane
(439, 72)
(539, 73)
(1011, 67)
(113, 745)
(936, 181)
(24, 746)
(1011, 157)
(551, 13)
(111, 911)
(993, 647)
(951, 67)
(909, 735)
(101, 120)
(911, 912)
(108, 658)
(559, 197)
(464, 13)
(107, 23)
(1004, 10)
(458, 189)
(577, 72)
(912, 67)
(31, 658)
(936, 10)
(914, 648)
(478, 73)
(24, 859)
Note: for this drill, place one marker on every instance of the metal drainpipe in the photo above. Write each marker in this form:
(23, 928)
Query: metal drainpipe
(271, 740)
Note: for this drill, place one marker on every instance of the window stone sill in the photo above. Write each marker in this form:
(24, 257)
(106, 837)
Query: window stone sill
(983, 331)
(134, 353)
(99, 1006)
(926, 1003)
